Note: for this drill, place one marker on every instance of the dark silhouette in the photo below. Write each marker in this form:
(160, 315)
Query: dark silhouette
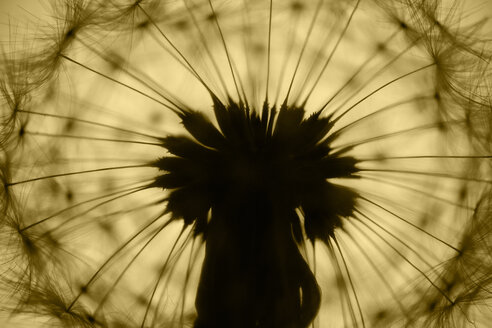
(240, 186)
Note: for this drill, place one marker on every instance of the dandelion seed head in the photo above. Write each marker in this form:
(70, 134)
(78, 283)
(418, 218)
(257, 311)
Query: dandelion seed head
(246, 164)
(286, 165)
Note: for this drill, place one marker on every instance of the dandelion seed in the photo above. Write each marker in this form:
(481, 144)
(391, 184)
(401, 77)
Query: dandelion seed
(208, 163)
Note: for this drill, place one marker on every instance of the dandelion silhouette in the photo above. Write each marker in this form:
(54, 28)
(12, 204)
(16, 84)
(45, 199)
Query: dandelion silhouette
(261, 163)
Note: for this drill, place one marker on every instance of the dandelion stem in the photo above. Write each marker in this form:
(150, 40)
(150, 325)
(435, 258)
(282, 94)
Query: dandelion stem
(121, 117)
(65, 160)
(171, 271)
(77, 205)
(110, 258)
(119, 82)
(409, 223)
(161, 32)
(380, 88)
(427, 194)
(78, 172)
(161, 273)
(89, 122)
(314, 274)
(132, 209)
(433, 174)
(361, 67)
(43, 134)
(405, 244)
(402, 242)
(304, 46)
(189, 268)
(288, 53)
(241, 87)
(330, 56)
(185, 64)
(246, 44)
(207, 49)
(93, 208)
(350, 281)
(385, 158)
(125, 269)
(342, 286)
(181, 107)
(402, 256)
(393, 134)
(269, 45)
(391, 260)
(380, 274)
(378, 111)
(229, 59)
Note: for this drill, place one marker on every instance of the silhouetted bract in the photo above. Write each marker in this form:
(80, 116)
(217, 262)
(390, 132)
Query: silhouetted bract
(241, 186)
